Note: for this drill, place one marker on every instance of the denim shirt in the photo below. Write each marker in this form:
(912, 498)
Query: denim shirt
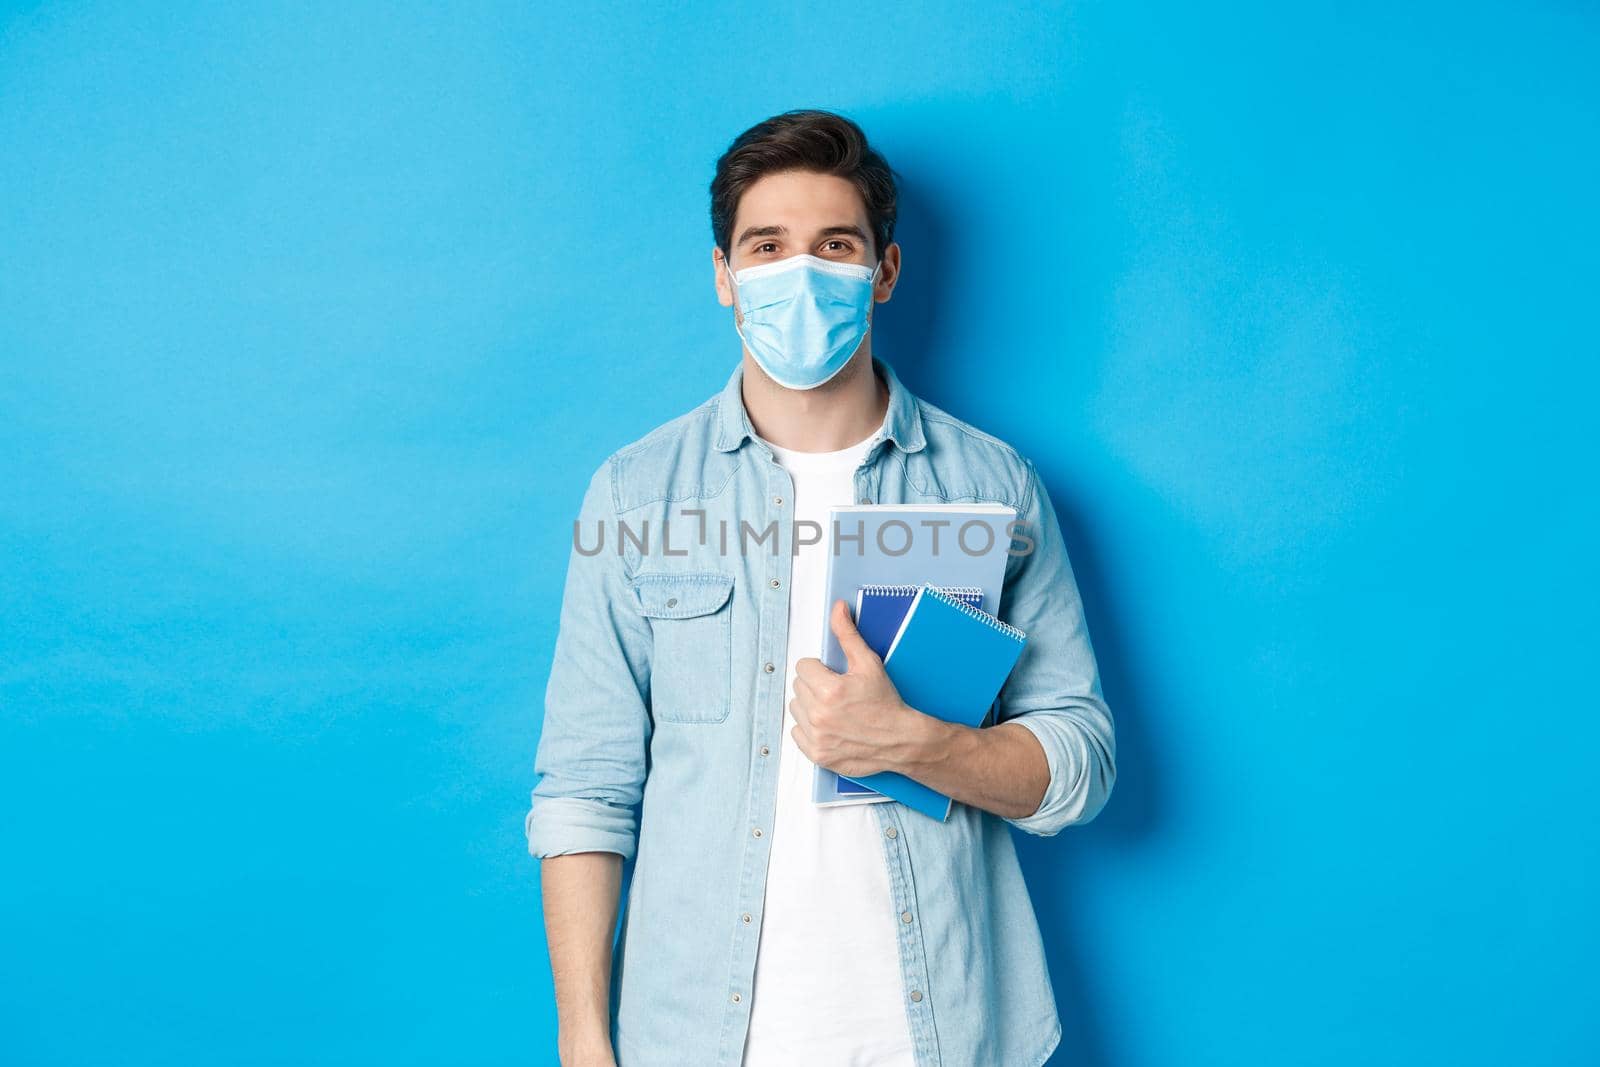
(661, 736)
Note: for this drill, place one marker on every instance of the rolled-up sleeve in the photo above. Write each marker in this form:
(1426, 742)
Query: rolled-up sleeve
(1054, 691)
(591, 753)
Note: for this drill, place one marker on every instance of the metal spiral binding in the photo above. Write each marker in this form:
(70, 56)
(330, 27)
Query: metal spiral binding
(979, 614)
(891, 590)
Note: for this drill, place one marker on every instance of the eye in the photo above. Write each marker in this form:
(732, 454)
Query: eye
(844, 246)
(765, 244)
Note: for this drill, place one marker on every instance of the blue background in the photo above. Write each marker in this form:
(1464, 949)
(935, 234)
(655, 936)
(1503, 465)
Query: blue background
(315, 319)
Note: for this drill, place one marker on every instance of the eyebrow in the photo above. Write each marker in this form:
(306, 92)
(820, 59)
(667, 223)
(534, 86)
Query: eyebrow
(783, 231)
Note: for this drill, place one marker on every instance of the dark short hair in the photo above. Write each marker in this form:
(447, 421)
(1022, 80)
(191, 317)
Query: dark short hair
(812, 140)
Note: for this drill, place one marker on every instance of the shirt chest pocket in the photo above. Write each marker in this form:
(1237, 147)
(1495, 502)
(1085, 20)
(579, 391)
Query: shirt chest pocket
(691, 661)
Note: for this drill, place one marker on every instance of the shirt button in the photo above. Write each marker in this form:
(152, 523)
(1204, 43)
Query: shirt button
(765, 750)
(891, 832)
(864, 500)
(756, 831)
(736, 997)
(768, 667)
(672, 601)
(905, 916)
(746, 918)
(916, 995)
(778, 500)
(774, 583)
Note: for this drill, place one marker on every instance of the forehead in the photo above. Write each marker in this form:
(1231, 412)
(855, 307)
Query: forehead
(800, 200)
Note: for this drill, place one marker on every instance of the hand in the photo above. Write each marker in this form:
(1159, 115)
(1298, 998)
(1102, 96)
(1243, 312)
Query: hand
(854, 723)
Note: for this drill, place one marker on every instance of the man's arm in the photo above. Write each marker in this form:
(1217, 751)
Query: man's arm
(1054, 692)
(1050, 760)
(1002, 769)
(591, 767)
(581, 891)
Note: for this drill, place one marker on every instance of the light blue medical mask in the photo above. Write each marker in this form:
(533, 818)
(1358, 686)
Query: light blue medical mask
(804, 317)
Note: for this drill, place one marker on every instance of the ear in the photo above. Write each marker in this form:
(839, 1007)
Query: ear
(888, 274)
(720, 268)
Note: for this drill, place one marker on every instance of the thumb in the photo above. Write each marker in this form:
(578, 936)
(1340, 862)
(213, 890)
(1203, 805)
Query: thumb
(858, 655)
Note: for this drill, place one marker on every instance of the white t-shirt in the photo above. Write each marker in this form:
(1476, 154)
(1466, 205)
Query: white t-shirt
(827, 987)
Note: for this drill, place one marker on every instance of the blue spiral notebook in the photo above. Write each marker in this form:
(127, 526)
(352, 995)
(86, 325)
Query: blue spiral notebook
(880, 609)
(948, 660)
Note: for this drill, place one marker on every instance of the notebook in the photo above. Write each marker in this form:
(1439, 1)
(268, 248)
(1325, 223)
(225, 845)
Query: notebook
(948, 660)
(880, 609)
(945, 545)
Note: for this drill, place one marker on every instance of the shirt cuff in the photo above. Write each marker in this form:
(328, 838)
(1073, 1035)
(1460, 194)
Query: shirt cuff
(558, 826)
(1059, 807)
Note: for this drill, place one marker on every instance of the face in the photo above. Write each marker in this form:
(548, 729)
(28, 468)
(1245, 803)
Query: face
(801, 212)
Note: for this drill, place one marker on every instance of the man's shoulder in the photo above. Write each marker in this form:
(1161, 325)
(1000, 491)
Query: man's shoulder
(958, 435)
(651, 468)
(972, 462)
(690, 429)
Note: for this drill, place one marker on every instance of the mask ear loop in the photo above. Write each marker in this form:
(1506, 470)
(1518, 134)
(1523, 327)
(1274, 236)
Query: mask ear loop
(872, 283)
(727, 268)
(738, 312)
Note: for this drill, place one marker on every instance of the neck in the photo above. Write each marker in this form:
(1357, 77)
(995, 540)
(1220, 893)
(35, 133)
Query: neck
(840, 412)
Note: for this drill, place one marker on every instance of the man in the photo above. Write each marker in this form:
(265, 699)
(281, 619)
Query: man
(686, 706)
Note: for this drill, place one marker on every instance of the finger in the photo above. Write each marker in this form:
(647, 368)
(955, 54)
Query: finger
(857, 653)
(822, 686)
(800, 710)
(813, 670)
